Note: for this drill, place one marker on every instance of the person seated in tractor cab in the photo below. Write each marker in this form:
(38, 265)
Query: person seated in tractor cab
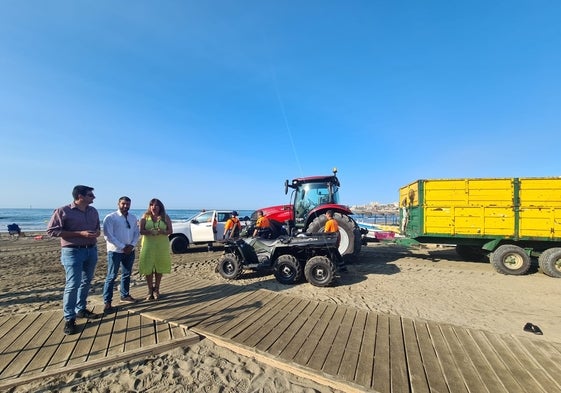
(262, 226)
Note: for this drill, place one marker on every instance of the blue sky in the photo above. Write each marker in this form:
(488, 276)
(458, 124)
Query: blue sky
(213, 104)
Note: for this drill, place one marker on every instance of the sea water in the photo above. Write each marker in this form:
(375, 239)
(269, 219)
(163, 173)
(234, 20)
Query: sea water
(36, 220)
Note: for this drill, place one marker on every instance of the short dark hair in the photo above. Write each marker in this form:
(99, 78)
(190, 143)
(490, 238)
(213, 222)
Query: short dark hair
(124, 198)
(329, 213)
(80, 190)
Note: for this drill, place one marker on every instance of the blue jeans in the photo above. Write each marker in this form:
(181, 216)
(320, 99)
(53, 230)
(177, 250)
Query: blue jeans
(79, 265)
(114, 261)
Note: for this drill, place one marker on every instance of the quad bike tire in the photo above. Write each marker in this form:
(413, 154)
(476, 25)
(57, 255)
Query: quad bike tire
(229, 267)
(319, 271)
(287, 269)
(351, 241)
(179, 245)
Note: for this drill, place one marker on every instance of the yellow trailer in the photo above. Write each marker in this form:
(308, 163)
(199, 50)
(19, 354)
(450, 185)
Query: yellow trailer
(508, 219)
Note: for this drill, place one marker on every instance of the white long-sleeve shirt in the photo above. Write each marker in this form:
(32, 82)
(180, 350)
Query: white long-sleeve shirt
(117, 233)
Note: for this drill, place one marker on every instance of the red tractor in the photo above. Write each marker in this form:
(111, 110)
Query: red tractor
(311, 198)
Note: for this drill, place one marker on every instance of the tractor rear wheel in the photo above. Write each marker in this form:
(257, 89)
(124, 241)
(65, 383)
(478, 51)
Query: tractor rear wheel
(319, 271)
(349, 246)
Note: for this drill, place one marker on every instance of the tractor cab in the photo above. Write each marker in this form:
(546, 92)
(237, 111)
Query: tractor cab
(312, 196)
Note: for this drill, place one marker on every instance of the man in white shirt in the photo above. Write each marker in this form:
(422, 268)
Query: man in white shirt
(121, 232)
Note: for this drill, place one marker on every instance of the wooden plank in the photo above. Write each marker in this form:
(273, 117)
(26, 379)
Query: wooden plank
(147, 331)
(417, 377)
(11, 330)
(471, 377)
(44, 345)
(307, 349)
(233, 308)
(365, 366)
(546, 356)
(119, 332)
(430, 362)
(398, 360)
(282, 324)
(381, 377)
(19, 352)
(517, 367)
(204, 307)
(7, 325)
(482, 366)
(497, 363)
(102, 362)
(65, 347)
(245, 317)
(319, 355)
(103, 337)
(522, 350)
(268, 315)
(339, 347)
(163, 331)
(351, 352)
(84, 344)
(296, 330)
(132, 340)
(451, 370)
(178, 331)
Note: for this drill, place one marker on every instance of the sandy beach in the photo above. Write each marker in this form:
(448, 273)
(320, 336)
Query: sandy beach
(432, 284)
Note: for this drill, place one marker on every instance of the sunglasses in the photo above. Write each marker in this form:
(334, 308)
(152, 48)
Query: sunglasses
(90, 195)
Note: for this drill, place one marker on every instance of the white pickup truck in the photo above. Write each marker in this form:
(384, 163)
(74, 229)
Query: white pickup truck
(198, 230)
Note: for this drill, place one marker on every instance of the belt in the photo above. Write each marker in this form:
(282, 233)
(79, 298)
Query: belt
(76, 246)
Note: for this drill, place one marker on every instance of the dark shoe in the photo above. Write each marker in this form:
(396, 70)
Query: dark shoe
(128, 299)
(531, 328)
(87, 314)
(70, 327)
(108, 309)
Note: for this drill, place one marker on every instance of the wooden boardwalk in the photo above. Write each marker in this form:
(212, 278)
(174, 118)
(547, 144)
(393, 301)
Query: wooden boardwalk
(346, 348)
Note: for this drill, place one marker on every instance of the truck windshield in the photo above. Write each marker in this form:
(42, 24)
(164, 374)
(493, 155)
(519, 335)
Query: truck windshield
(310, 195)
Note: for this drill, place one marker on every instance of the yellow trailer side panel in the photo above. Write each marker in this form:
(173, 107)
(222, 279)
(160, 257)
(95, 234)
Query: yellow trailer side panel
(540, 207)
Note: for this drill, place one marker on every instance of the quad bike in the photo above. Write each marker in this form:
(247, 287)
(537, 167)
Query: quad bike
(313, 255)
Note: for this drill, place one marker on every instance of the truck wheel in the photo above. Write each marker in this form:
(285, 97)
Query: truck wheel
(287, 269)
(179, 245)
(346, 230)
(229, 267)
(510, 259)
(319, 271)
(550, 262)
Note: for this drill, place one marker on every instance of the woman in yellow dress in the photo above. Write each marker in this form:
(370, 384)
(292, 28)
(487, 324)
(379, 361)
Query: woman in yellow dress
(154, 260)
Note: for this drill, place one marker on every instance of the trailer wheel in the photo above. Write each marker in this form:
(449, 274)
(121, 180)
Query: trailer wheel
(229, 267)
(349, 246)
(550, 262)
(287, 269)
(179, 244)
(510, 259)
(319, 271)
